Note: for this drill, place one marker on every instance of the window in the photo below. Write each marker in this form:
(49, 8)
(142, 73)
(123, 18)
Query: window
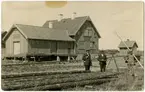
(95, 35)
(92, 44)
(88, 32)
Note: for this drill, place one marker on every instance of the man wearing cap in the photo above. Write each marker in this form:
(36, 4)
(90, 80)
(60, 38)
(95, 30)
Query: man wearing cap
(87, 60)
(131, 63)
(102, 58)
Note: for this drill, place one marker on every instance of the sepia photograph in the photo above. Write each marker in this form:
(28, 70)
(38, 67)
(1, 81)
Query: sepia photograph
(72, 45)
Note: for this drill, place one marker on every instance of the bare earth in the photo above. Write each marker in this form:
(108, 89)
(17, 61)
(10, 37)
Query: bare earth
(123, 82)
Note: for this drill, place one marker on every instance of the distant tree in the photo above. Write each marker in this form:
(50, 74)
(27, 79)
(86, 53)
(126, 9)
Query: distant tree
(111, 51)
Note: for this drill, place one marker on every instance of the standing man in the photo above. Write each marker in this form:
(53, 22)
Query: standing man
(131, 63)
(102, 58)
(87, 60)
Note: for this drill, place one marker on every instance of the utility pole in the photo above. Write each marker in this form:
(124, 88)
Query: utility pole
(129, 50)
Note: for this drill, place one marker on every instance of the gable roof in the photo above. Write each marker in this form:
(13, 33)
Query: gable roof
(128, 43)
(72, 25)
(36, 32)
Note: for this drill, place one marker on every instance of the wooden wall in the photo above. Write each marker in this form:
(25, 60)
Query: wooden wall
(38, 46)
(15, 35)
(124, 51)
(83, 42)
(65, 47)
(50, 47)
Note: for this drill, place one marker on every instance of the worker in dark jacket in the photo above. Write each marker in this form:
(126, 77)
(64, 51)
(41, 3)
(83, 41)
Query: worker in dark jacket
(87, 60)
(102, 58)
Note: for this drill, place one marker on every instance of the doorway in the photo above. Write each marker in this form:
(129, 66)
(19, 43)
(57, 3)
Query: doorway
(16, 47)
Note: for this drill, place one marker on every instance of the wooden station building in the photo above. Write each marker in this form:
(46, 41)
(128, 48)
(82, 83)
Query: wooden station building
(63, 38)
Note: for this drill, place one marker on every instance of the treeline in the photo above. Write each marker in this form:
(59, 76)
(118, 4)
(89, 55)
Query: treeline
(111, 51)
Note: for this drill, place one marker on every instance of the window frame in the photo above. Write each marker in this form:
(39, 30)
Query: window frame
(88, 32)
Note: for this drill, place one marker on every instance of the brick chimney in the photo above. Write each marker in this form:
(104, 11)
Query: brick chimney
(60, 17)
(50, 24)
(73, 15)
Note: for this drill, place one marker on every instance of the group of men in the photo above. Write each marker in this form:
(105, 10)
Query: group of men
(102, 58)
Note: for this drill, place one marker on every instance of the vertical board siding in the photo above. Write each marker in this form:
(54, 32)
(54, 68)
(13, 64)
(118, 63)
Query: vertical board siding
(16, 36)
(53, 47)
(39, 47)
(3, 52)
(46, 47)
(83, 42)
(64, 47)
(124, 51)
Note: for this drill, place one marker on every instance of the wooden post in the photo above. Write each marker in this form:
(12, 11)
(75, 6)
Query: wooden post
(130, 50)
(25, 58)
(34, 59)
(14, 58)
(58, 59)
(68, 58)
(115, 63)
(108, 63)
(39, 58)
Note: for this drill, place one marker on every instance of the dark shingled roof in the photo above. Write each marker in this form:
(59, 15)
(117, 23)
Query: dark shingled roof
(128, 43)
(72, 25)
(36, 32)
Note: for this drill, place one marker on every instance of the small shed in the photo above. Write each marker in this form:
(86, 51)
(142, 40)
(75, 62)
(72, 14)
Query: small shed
(131, 44)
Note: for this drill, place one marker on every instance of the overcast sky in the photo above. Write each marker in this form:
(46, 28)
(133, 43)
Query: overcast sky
(124, 17)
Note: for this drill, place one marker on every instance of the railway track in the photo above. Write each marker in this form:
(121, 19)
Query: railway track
(55, 80)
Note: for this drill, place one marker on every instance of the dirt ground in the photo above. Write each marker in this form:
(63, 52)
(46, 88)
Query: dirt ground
(123, 83)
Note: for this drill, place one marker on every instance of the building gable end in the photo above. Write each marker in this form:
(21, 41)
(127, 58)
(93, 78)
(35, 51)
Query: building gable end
(11, 30)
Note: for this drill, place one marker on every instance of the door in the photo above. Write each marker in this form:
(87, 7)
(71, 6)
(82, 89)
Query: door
(16, 48)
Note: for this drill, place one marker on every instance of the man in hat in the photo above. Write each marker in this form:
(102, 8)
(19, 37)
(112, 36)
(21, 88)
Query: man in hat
(131, 63)
(87, 60)
(102, 58)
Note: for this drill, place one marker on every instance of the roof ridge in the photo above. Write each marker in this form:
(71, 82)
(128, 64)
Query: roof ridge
(76, 17)
(129, 41)
(29, 25)
(42, 27)
(67, 18)
(83, 22)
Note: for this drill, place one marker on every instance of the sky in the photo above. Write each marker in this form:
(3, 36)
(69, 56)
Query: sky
(126, 18)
